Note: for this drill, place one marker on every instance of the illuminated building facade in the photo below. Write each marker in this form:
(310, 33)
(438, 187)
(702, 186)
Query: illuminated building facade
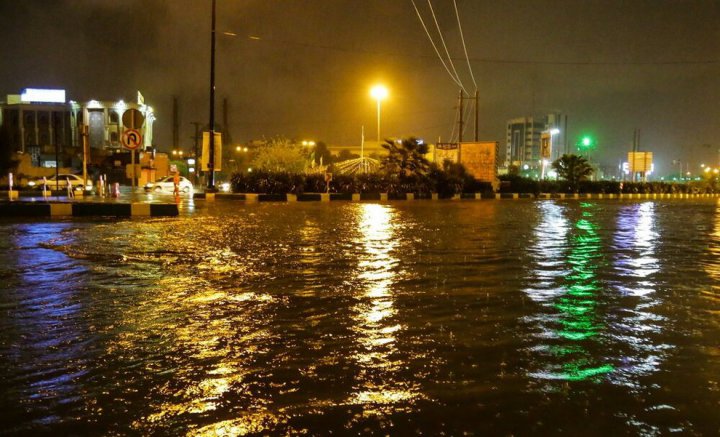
(43, 124)
(523, 139)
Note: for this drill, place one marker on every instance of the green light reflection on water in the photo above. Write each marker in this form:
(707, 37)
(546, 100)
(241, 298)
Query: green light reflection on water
(578, 320)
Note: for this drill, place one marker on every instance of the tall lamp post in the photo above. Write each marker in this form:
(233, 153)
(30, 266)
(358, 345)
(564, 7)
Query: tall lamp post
(379, 93)
(211, 140)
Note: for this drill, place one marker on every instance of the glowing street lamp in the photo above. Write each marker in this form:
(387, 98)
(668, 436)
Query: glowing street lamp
(379, 93)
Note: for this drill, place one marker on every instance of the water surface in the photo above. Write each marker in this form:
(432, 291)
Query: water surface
(477, 317)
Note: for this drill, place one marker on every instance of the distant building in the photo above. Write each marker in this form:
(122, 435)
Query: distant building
(523, 139)
(43, 124)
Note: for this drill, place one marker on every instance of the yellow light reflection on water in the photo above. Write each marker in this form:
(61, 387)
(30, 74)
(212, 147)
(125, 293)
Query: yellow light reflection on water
(376, 330)
(204, 337)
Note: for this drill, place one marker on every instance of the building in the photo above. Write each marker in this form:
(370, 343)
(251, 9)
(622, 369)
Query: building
(47, 127)
(523, 139)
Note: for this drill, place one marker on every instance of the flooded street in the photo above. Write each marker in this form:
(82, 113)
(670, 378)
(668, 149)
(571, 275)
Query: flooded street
(478, 317)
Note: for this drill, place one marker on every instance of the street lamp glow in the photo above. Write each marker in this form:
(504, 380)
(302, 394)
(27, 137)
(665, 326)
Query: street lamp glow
(379, 93)
(554, 131)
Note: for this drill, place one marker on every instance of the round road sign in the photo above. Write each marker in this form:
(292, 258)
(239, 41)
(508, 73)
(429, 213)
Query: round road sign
(131, 138)
(133, 119)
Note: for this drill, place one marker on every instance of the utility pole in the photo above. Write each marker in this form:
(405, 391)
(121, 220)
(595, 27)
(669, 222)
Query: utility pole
(85, 155)
(196, 137)
(211, 152)
(460, 122)
(477, 110)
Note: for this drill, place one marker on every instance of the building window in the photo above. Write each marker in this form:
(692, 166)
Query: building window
(114, 137)
(114, 119)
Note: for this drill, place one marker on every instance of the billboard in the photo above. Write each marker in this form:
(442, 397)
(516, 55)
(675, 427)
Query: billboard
(217, 164)
(545, 145)
(446, 152)
(480, 159)
(640, 162)
(38, 95)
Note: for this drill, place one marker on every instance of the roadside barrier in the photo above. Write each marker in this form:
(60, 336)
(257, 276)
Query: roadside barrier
(87, 209)
(357, 197)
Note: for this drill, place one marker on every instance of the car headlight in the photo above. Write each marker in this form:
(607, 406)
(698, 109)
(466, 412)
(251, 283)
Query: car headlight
(31, 184)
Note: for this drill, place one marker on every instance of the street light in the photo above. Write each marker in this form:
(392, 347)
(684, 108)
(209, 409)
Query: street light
(379, 93)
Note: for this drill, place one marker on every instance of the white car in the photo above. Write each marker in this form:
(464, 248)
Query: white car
(167, 185)
(75, 181)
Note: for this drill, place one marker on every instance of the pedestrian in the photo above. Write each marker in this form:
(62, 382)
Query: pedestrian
(328, 179)
(176, 184)
(45, 192)
(70, 192)
(100, 187)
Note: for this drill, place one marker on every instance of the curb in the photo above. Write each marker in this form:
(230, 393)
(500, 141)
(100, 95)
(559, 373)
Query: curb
(87, 209)
(383, 197)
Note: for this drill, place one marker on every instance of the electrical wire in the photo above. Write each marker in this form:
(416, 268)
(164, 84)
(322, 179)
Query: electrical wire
(462, 38)
(434, 46)
(486, 60)
(447, 52)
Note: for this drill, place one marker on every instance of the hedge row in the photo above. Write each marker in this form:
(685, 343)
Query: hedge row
(444, 183)
(436, 181)
(511, 184)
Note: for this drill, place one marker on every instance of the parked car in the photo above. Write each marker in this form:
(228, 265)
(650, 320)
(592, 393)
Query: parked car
(167, 185)
(75, 181)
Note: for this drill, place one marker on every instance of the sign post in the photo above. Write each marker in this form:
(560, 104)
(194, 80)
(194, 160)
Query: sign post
(132, 138)
(85, 155)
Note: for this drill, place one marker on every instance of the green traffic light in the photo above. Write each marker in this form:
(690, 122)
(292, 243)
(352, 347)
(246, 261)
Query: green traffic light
(586, 142)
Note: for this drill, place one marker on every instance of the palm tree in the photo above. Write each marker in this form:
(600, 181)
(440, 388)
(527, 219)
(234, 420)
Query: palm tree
(406, 157)
(573, 169)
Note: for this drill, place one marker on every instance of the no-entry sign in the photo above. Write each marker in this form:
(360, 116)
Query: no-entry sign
(131, 139)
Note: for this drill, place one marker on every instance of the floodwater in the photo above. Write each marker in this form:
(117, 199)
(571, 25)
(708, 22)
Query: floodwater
(467, 317)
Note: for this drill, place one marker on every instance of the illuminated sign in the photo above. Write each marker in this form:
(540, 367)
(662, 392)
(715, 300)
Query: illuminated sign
(30, 95)
(640, 162)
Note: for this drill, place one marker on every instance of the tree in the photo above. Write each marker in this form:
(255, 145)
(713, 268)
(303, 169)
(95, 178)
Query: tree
(406, 157)
(322, 153)
(280, 155)
(573, 169)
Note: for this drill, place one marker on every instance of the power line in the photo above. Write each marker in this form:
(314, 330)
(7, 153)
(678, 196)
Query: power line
(486, 60)
(447, 52)
(462, 38)
(434, 46)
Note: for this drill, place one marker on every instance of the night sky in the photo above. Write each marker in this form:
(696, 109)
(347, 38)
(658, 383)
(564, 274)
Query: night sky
(302, 69)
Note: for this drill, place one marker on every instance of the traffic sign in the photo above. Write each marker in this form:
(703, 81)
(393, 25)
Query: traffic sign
(133, 119)
(131, 138)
